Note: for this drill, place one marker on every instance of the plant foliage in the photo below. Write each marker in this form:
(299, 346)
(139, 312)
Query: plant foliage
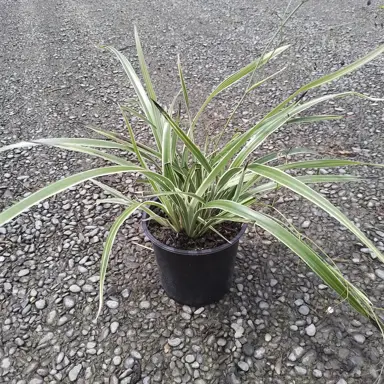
(199, 188)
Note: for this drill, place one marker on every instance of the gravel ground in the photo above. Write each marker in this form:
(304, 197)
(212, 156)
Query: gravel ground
(273, 327)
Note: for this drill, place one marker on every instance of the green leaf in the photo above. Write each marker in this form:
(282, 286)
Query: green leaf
(183, 85)
(311, 195)
(133, 141)
(258, 63)
(332, 277)
(186, 140)
(310, 179)
(57, 187)
(62, 185)
(313, 119)
(284, 153)
(108, 247)
(150, 112)
(324, 163)
(143, 66)
(256, 85)
(331, 77)
(64, 141)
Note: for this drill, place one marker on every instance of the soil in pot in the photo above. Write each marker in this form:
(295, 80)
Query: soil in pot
(181, 241)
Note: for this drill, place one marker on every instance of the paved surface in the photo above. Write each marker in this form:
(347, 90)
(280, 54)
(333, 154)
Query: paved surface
(273, 327)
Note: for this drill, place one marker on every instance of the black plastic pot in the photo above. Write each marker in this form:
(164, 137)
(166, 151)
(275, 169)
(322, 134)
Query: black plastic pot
(198, 277)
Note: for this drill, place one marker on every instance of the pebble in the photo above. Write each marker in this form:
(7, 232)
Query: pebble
(74, 372)
(69, 302)
(359, 338)
(6, 363)
(341, 381)
(296, 353)
(221, 342)
(190, 359)
(306, 224)
(243, 366)
(199, 311)
(259, 353)
(304, 310)
(310, 330)
(136, 355)
(248, 349)
(40, 304)
(317, 373)
(112, 304)
(300, 370)
(116, 360)
(23, 272)
(114, 326)
(144, 305)
(129, 363)
(267, 337)
(51, 317)
(380, 273)
(174, 342)
(74, 288)
(239, 330)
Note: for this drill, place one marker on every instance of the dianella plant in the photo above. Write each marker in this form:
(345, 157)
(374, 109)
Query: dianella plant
(200, 186)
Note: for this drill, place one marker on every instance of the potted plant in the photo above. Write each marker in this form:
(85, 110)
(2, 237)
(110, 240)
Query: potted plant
(200, 198)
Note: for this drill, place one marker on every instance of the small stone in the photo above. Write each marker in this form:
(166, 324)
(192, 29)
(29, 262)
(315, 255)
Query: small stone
(129, 363)
(74, 288)
(112, 304)
(116, 360)
(239, 330)
(380, 273)
(40, 304)
(310, 330)
(359, 338)
(248, 349)
(273, 282)
(125, 293)
(7, 287)
(36, 380)
(74, 372)
(304, 310)
(114, 326)
(263, 305)
(199, 310)
(296, 353)
(267, 337)
(187, 309)
(69, 302)
(174, 342)
(6, 363)
(51, 317)
(63, 320)
(317, 373)
(190, 359)
(221, 342)
(23, 272)
(300, 370)
(144, 305)
(259, 353)
(243, 366)
(306, 224)
(341, 381)
(136, 355)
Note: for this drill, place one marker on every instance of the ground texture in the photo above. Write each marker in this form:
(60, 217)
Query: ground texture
(273, 327)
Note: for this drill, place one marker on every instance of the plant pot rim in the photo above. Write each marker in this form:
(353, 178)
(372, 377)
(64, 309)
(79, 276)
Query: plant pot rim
(189, 252)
